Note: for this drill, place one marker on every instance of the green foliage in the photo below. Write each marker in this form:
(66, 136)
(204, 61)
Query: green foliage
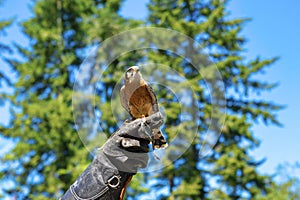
(288, 190)
(229, 164)
(287, 184)
(49, 155)
(4, 48)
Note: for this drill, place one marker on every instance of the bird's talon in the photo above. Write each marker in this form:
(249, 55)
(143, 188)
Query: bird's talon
(147, 130)
(143, 118)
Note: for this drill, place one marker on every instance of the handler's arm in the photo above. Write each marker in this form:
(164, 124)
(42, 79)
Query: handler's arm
(117, 161)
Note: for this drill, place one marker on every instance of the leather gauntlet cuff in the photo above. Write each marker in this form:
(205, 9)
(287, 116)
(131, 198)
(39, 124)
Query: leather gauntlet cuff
(101, 180)
(117, 161)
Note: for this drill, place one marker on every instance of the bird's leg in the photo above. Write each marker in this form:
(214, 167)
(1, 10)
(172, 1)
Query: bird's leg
(150, 133)
(148, 130)
(144, 118)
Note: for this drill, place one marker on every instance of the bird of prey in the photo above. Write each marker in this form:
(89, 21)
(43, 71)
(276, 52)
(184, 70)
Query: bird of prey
(139, 100)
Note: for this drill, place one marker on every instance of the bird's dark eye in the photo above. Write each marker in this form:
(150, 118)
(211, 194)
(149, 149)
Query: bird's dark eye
(129, 73)
(130, 70)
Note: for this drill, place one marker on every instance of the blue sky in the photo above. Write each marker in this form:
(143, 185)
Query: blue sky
(273, 31)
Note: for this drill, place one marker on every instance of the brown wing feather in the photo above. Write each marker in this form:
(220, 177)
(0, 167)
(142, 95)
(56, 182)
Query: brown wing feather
(123, 99)
(159, 140)
(153, 98)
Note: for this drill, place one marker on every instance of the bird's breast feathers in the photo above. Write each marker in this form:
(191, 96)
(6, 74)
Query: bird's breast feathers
(140, 102)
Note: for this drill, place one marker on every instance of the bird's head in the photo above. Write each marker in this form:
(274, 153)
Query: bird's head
(132, 74)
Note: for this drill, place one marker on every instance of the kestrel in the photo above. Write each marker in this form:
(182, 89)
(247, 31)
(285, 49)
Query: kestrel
(139, 100)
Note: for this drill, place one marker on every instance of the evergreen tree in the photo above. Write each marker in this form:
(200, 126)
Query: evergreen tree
(49, 155)
(228, 172)
(4, 48)
(278, 191)
(286, 183)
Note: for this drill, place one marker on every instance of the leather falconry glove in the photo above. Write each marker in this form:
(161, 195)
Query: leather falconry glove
(118, 160)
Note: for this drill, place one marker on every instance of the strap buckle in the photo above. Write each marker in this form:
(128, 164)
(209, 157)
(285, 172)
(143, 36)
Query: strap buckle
(114, 181)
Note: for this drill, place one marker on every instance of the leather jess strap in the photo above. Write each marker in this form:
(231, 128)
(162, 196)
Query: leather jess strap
(122, 194)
